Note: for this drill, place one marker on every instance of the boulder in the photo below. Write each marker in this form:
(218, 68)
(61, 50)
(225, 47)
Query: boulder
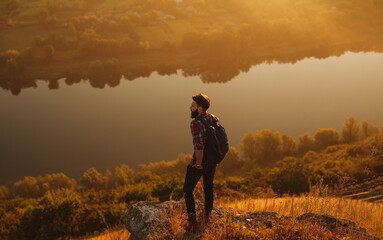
(329, 221)
(333, 223)
(143, 218)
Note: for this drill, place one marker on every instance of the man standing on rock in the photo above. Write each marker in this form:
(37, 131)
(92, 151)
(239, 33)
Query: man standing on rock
(198, 167)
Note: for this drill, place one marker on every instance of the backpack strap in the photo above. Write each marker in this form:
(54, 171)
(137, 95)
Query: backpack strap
(203, 120)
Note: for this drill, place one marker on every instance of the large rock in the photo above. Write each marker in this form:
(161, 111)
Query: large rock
(329, 221)
(143, 218)
(333, 223)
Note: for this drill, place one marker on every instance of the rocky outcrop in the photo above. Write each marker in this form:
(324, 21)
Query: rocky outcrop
(143, 218)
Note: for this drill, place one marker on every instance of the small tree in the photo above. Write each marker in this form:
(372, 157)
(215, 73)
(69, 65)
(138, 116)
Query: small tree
(92, 179)
(123, 175)
(306, 143)
(350, 130)
(58, 181)
(325, 137)
(247, 146)
(4, 192)
(368, 129)
(292, 175)
(27, 188)
(56, 215)
(268, 146)
(289, 146)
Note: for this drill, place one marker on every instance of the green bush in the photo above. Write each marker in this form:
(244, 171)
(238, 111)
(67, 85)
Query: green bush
(57, 214)
(138, 192)
(292, 176)
(169, 186)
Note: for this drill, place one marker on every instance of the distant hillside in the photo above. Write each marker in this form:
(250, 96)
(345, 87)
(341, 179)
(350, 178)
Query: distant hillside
(216, 40)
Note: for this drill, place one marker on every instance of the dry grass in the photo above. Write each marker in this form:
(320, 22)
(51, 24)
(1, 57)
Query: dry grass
(364, 214)
(111, 234)
(368, 215)
(227, 228)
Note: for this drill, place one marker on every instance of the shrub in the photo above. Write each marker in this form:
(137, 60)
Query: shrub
(138, 192)
(293, 176)
(57, 214)
(326, 137)
(168, 186)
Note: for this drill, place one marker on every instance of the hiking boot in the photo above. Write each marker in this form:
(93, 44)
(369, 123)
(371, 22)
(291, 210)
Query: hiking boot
(192, 224)
(206, 217)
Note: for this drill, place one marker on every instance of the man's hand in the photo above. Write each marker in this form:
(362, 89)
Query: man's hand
(198, 166)
(199, 158)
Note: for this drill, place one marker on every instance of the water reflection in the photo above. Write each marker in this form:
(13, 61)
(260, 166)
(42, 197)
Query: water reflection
(211, 70)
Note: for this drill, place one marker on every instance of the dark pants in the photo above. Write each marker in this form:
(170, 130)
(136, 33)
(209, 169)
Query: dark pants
(192, 177)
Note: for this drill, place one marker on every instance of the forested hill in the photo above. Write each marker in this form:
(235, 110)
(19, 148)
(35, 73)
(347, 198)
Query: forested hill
(266, 165)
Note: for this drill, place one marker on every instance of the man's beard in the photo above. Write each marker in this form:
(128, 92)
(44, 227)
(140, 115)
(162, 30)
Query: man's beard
(194, 114)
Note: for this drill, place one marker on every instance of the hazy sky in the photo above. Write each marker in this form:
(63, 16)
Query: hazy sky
(77, 127)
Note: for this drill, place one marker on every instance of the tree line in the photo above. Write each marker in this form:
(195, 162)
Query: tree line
(266, 164)
(265, 149)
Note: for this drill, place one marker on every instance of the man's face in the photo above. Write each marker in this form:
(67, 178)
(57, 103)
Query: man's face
(194, 109)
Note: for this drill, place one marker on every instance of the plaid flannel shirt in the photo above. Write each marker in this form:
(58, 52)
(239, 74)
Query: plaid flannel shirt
(198, 131)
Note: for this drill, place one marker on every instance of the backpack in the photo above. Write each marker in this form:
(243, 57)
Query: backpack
(217, 144)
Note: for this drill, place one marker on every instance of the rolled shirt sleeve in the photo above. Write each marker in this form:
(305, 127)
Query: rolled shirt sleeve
(198, 131)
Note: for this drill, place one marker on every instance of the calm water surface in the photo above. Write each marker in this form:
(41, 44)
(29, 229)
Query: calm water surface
(147, 120)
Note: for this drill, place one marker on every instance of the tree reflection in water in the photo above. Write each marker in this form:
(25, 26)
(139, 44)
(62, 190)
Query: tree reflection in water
(213, 69)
